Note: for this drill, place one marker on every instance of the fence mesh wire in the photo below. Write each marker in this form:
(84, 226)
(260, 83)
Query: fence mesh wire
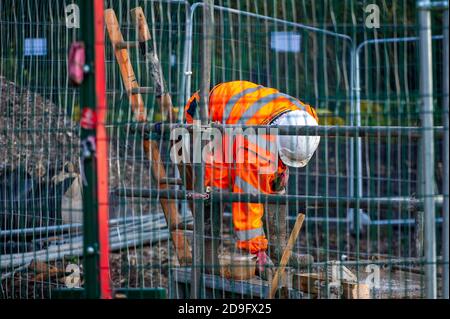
(39, 185)
(362, 200)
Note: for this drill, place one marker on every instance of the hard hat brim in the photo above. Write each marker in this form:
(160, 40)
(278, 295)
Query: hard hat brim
(290, 163)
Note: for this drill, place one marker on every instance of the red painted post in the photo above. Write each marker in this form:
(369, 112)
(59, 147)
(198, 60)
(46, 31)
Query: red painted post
(102, 150)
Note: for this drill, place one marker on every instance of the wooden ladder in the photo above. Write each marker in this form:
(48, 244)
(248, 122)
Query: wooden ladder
(164, 101)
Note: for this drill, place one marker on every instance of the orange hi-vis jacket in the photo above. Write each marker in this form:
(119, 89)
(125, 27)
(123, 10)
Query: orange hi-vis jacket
(259, 170)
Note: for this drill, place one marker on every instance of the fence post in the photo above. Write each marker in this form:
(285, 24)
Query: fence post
(198, 258)
(94, 167)
(445, 190)
(426, 96)
(101, 149)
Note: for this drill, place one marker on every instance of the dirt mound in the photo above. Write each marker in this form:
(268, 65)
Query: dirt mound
(34, 131)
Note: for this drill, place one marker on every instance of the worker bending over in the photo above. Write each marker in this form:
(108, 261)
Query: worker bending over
(246, 103)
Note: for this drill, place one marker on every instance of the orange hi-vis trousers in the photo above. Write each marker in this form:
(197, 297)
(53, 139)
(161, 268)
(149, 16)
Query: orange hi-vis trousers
(253, 165)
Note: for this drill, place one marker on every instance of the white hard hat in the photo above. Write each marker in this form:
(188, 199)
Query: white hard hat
(294, 150)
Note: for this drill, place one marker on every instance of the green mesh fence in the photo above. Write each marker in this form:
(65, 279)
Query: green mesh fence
(362, 191)
(40, 183)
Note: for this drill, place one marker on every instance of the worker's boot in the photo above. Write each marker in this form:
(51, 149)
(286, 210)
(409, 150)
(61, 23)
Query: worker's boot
(278, 237)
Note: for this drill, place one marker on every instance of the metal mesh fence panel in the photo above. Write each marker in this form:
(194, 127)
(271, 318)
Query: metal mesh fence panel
(373, 195)
(40, 184)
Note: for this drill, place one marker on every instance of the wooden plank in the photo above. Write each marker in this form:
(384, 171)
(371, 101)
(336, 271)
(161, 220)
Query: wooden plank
(126, 69)
(308, 282)
(355, 290)
(286, 254)
(151, 148)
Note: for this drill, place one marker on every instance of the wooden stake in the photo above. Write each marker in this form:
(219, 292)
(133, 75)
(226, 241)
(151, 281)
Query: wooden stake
(286, 254)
